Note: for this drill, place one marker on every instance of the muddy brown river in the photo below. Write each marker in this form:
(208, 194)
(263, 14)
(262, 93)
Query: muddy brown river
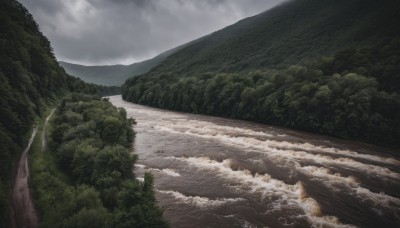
(218, 172)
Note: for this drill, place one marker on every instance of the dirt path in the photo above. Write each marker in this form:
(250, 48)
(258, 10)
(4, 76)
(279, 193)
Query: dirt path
(44, 140)
(24, 212)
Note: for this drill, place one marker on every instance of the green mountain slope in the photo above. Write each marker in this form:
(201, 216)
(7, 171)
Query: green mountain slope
(30, 80)
(330, 67)
(116, 75)
(288, 34)
(29, 77)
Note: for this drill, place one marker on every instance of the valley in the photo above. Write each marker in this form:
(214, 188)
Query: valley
(278, 114)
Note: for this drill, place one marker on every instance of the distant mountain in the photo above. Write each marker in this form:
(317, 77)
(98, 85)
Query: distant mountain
(115, 75)
(330, 67)
(112, 75)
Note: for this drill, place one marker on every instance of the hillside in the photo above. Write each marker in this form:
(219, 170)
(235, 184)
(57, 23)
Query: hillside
(31, 80)
(329, 67)
(116, 75)
(294, 32)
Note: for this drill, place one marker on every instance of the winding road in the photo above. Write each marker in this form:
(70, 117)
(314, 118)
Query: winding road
(23, 212)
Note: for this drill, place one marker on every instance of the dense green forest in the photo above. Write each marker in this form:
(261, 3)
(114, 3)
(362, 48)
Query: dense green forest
(292, 33)
(330, 67)
(116, 75)
(30, 79)
(85, 178)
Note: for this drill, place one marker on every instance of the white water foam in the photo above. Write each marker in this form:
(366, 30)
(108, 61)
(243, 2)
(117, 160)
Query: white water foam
(336, 179)
(178, 123)
(201, 202)
(167, 171)
(331, 151)
(140, 166)
(141, 179)
(171, 172)
(270, 148)
(227, 134)
(247, 224)
(293, 194)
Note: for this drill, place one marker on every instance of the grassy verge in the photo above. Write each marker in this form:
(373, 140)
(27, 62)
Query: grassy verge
(44, 172)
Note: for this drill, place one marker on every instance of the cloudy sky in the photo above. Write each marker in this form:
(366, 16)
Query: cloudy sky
(94, 32)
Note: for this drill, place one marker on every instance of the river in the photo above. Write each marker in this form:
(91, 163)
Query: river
(219, 172)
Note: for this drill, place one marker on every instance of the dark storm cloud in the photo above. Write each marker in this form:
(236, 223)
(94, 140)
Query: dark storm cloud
(125, 31)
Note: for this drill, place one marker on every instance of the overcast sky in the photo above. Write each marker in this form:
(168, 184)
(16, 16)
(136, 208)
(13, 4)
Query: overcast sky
(94, 32)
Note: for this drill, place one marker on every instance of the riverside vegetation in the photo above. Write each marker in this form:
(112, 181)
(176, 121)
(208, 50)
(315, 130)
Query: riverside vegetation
(85, 179)
(329, 67)
(329, 96)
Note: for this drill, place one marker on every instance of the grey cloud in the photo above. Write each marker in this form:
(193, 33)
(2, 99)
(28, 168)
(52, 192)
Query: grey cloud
(216, 1)
(123, 3)
(139, 3)
(125, 31)
(47, 6)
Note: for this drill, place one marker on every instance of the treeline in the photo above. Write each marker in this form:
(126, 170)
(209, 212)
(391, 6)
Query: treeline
(354, 94)
(30, 78)
(85, 178)
(271, 68)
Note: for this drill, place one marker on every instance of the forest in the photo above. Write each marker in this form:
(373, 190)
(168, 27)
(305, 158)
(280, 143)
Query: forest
(85, 178)
(352, 95)
(31, 80)
(328, 67)
(294, 32)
